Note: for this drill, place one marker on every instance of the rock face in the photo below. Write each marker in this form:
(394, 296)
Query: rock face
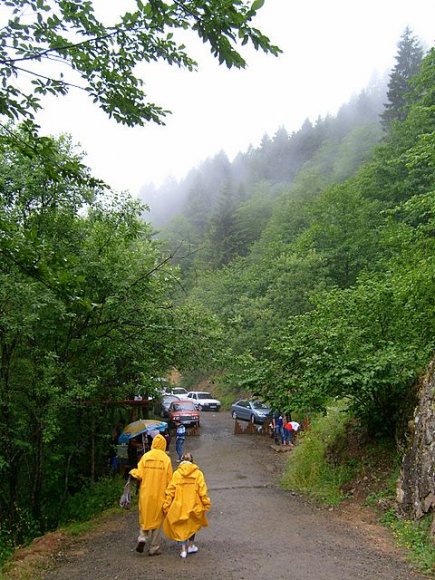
(416, 485)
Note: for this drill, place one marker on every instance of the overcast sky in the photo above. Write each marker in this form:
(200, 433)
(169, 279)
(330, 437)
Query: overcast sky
(331, 48)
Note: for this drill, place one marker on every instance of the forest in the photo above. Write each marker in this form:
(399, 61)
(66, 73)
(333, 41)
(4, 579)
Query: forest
(302, 272)
(315, 253)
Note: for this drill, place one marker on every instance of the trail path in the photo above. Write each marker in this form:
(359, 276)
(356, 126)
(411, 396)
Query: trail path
(256, 530)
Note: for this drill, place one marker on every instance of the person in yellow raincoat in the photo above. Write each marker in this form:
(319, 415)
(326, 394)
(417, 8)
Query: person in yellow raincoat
(185, 505)
(154, 471)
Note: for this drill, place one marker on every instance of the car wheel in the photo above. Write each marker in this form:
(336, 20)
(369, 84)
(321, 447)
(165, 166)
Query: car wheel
(252, 419)
(199, 407)
(234, 415)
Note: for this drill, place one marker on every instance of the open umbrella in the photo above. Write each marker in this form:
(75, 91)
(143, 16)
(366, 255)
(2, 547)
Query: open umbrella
(141, 427)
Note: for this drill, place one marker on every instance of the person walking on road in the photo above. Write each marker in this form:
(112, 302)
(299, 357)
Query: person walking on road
(154, 472)
(179, 439)
(185, 505)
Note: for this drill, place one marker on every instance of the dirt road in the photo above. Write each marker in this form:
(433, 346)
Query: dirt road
(256, 530)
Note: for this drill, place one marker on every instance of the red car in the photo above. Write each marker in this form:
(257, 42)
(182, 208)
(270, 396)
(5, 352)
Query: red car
(184, 411)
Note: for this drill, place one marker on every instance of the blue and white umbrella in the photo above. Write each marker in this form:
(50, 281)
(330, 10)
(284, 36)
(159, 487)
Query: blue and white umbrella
(141, 427)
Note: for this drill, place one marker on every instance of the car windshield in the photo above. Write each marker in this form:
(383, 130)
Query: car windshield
(183, 406)
(259, 406)
(204, 396)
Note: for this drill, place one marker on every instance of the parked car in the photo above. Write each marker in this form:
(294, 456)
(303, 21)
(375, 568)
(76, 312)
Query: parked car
(204, 401)
(184, 411)
(179, 391)
(165, 403)
(250, 410)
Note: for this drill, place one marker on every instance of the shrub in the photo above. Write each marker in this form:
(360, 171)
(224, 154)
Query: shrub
(92, 500)
(308, 469)
(6, 545)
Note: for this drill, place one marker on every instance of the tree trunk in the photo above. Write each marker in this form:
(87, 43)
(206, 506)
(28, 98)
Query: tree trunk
(9, 487)
(93, 470)
(38, 446)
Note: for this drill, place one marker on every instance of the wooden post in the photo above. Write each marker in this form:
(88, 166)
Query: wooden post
(237, 428)
(194, 430)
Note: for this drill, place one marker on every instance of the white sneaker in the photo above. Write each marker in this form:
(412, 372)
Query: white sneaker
(192, 549)
(183, 554)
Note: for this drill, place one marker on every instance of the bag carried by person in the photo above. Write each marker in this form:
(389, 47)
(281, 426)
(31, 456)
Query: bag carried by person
(125, 500)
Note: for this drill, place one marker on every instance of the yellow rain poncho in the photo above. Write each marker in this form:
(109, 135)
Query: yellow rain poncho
(154, 471)
(186, 503)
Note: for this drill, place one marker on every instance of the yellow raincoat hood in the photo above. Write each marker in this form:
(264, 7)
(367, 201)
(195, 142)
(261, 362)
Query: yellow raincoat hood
(159, 442)
(186, 468)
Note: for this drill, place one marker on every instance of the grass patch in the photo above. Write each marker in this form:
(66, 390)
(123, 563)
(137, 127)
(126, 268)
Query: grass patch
(77, 528)
(308, 469)
(415, 537)
(336, 459)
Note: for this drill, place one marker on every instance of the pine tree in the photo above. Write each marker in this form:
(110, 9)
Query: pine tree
(223, 231)
(408, 60)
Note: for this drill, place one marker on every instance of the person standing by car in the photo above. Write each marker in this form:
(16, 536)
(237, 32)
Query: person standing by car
(154, 472)
(278, 427)
(185, 505)
(179, 438)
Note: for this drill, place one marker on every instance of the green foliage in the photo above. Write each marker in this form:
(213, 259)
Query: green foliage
(336, 298)
(238, 198)
(408, 61)
(105, 57)
(355, 149)
(364, 343)
(85, 505)
(26, 528)
(7, 545)
(308, 470)
(332, 297)
(87, 318)
(416, 537)
(343, 231)
(92, 500)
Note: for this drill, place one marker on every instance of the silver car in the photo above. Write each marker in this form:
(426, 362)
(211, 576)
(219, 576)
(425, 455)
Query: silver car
(250, 410)
(165, 403)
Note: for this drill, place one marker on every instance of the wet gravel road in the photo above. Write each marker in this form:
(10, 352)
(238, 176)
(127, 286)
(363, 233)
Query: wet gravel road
(256, 530)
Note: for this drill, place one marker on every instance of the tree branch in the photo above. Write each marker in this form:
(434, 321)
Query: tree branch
(65, 47)
(65, 83)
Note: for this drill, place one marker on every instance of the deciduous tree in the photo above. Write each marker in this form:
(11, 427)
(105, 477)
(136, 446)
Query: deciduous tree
(61, 44)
